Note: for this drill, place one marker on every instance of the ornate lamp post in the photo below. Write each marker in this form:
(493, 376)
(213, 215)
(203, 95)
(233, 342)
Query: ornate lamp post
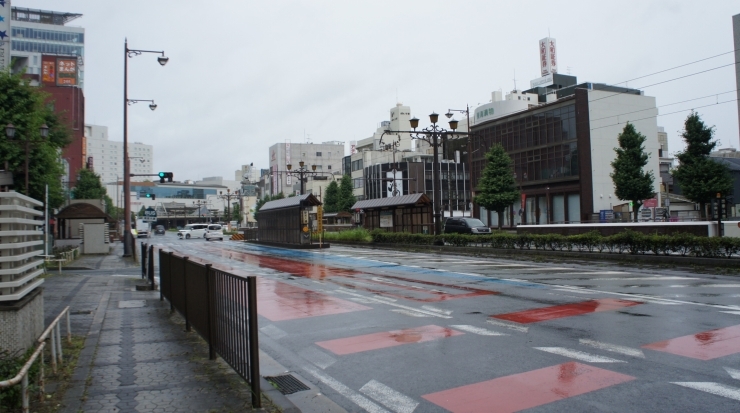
(199, 204)
(228, 196)
(162, 60)
(433, 135)
(301, 173)
(43, 131)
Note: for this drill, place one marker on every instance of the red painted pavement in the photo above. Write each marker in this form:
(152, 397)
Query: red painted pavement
(567, 310)
(387, 339)
(279, 301)
(703, 346)
(526, 390)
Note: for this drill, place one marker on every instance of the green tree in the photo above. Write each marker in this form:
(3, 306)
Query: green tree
(141, 212)
(25, 107)
(497, 187)
(331, 197)
(236, 213)
(263, 201)
(346, 197)
(631, 182)
(699, 177)
(88, 186)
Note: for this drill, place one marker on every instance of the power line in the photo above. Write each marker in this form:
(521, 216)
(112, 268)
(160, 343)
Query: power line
(664, 114)
(668, 104)
(677, 67)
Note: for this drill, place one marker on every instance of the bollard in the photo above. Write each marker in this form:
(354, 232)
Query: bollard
(69, 329)
(59, 342)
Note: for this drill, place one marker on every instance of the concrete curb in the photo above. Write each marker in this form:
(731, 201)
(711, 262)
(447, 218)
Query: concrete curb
(597, 256)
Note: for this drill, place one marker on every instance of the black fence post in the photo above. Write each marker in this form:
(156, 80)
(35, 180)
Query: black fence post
(151, 267)
(211, 313)
(254, 349)
(185, 288)
(161, 293)
(169, 281)
(143, 260)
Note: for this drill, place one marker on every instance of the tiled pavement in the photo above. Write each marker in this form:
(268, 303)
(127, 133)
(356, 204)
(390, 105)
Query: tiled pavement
(137, 356)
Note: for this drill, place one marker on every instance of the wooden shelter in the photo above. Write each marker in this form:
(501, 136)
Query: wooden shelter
(70, 218)
(407, 213)
(287, 221)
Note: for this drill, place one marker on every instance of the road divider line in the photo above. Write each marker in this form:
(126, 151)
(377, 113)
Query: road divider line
(398, 402)
(578, 355)
(717, 389)
(409, 312)
(405, 307)
(477, 330)
(734, 373)
(515, 327)
(731, 312)
(345, 391)
(436, 310)
(627, 351)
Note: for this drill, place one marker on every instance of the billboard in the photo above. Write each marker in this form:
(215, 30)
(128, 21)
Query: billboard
(48, 71)
(66, 71)
(392, 190)
(548, 56)
(4, 34)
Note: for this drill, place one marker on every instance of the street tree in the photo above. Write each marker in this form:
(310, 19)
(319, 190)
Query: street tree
(26, 108)
(331, 197)
(699, 177)
(497, 187)
(631, 182)
(346, 197)
(88, 186)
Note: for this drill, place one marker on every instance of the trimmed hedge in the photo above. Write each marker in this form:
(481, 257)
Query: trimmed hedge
(625, 242)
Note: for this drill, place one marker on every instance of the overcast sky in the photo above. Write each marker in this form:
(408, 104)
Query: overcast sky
(244, 75)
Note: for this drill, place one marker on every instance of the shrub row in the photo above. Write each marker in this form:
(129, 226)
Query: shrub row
(628, 241)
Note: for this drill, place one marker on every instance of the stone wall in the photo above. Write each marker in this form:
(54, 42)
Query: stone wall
(21, 322)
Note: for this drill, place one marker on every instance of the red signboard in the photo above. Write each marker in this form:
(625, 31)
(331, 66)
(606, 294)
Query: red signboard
(66, 72)
(650, 203)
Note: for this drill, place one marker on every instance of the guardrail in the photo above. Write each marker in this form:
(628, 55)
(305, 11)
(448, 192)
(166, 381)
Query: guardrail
(221, 306)
(54, 333)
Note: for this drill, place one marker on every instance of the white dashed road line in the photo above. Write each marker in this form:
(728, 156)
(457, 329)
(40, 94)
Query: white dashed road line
(515, 327)
(477, 330)
(627, 351)
(734, 373)
(578, 355)
(717, 389)
(398, 402)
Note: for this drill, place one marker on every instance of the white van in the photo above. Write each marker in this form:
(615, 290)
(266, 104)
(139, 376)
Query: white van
(193, 231)
(214, 231)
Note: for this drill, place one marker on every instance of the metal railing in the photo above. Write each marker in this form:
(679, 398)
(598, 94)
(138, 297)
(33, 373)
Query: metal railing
(147, 264)
(54, 333)
(221, 306)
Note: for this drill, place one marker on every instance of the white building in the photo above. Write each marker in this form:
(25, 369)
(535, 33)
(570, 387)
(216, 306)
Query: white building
(107, 156)
(327, 157)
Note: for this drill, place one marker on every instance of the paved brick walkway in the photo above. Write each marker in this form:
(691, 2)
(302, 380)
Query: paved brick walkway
(137, 356)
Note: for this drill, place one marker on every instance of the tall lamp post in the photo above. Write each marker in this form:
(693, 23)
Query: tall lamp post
(433, 135)
(10, 133)
(199, 204)
(162, 60)
(228, 196)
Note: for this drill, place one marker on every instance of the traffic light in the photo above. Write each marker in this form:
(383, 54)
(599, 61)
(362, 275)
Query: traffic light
(152, 196)
(165, 175)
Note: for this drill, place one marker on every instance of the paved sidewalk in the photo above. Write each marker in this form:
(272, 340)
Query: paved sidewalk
(137, 356)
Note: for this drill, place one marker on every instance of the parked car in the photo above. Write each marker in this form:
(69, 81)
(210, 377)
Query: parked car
(193, 231)
(159, 230)
(466, 226)
(214, 231)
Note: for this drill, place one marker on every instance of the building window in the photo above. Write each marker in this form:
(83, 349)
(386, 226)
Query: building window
(318, 153)
(328, 167)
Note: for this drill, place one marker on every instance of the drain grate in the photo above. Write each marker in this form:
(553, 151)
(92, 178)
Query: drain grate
(287, 384)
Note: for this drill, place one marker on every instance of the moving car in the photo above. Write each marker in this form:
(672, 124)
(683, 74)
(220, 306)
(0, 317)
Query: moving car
(142, 228)
(159, 230)
(193, 231)
(214, 231)
(466, 226)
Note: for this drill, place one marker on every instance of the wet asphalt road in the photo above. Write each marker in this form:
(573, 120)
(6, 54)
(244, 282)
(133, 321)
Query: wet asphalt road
(380, 330)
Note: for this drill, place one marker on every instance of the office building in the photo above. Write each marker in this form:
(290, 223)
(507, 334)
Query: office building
(52, 53)
(736, 33)
(106, 157)
(326, 156)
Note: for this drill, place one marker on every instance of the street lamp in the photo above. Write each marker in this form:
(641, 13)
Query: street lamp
(199, 204)
(433, 135)
(10, 133)
(301, 173)
(228, 196)
(162, 60)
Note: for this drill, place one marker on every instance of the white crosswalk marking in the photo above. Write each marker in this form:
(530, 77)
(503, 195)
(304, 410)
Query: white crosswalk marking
(578, 355)
(436, 310)
(627, 351)
(398, 402)
(735, 374)
(717, 389)
(515, 327)
(477, 330)
(345, 391)
(411, 313)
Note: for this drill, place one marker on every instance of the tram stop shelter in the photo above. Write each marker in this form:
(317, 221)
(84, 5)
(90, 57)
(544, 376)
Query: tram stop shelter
(287, 222)
(407, 213)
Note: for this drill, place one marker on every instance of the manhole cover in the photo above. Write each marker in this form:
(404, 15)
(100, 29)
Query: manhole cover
(287, 384)
(131, 304)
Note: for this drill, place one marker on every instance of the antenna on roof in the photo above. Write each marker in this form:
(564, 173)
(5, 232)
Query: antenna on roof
(514, 79)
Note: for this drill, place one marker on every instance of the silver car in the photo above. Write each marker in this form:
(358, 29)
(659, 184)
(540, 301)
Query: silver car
(193, 231)
(214, 231)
